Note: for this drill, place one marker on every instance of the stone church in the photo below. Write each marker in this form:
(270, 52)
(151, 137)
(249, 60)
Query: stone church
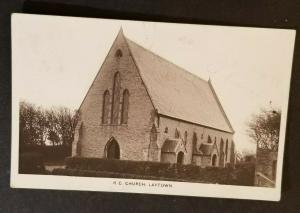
(142, 107)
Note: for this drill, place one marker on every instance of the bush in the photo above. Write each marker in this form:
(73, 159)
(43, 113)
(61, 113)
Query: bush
(245, 173)
(49, 153)
(122, 166)
(31, 163)
(97, 167)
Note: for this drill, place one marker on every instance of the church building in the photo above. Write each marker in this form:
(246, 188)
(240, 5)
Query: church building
(142, 107)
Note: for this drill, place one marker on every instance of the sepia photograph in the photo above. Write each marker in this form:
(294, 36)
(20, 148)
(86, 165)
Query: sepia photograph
(149, 107)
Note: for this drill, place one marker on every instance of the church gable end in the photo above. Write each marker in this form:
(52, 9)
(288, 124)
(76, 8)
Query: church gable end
(128, 102)
(116, 99)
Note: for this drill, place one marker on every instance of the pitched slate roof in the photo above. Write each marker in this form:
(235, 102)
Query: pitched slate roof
(177, 93)
(173, 145)
(206, 149)
(169, 145)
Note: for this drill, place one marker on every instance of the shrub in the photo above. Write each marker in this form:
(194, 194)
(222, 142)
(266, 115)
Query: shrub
(98, 167)
(31, 163)
(245, 173)
(50, 153)
(121, 166)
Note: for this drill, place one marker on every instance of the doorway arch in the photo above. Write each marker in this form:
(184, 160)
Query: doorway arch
(112, 149)
(180, 157)
(214, 160)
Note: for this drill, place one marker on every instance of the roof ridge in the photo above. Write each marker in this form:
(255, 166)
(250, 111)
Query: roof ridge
(166, 60)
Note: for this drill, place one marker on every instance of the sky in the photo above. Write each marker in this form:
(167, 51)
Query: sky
(55, 59)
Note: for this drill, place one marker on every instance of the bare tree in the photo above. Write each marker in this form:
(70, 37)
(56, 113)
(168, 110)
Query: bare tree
(66, 123)
(264, 129)
(38, 125)
(33, 125)
(52, 125)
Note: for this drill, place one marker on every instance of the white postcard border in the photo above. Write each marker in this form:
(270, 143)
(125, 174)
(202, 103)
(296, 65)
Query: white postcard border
(108, 185)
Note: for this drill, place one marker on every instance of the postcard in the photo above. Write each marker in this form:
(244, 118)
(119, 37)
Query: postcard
(149, 107)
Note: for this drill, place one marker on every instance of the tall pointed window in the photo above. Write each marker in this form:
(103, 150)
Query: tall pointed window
(177, 133)
(185, 137)
(209, 139)
(226, 149)
(116, 99)
(105, 110)
(195, 142)
(222, 159)
(222, 145)
(125, 104)
(166, 129)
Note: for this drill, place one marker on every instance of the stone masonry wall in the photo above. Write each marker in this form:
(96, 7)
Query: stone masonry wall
(266, 163)
(133, 137)
(202, 135)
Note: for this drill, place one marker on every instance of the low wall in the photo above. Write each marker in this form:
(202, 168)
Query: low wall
(266, 167)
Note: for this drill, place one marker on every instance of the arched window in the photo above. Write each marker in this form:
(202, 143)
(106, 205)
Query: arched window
(116, 99)
(195, 142)
(105, 109)
(112, 150)
(214, 160)
(180, 157)
(226, 149)
(209, 139)
(166, 129)
(177, 133)
(125, 104)
(185, 137)
(232, 152)
(222, 158)
(221, 146)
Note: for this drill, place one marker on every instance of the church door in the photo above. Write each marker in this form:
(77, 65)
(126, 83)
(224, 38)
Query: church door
(180, 158)
(214, 160)
(113, 150)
